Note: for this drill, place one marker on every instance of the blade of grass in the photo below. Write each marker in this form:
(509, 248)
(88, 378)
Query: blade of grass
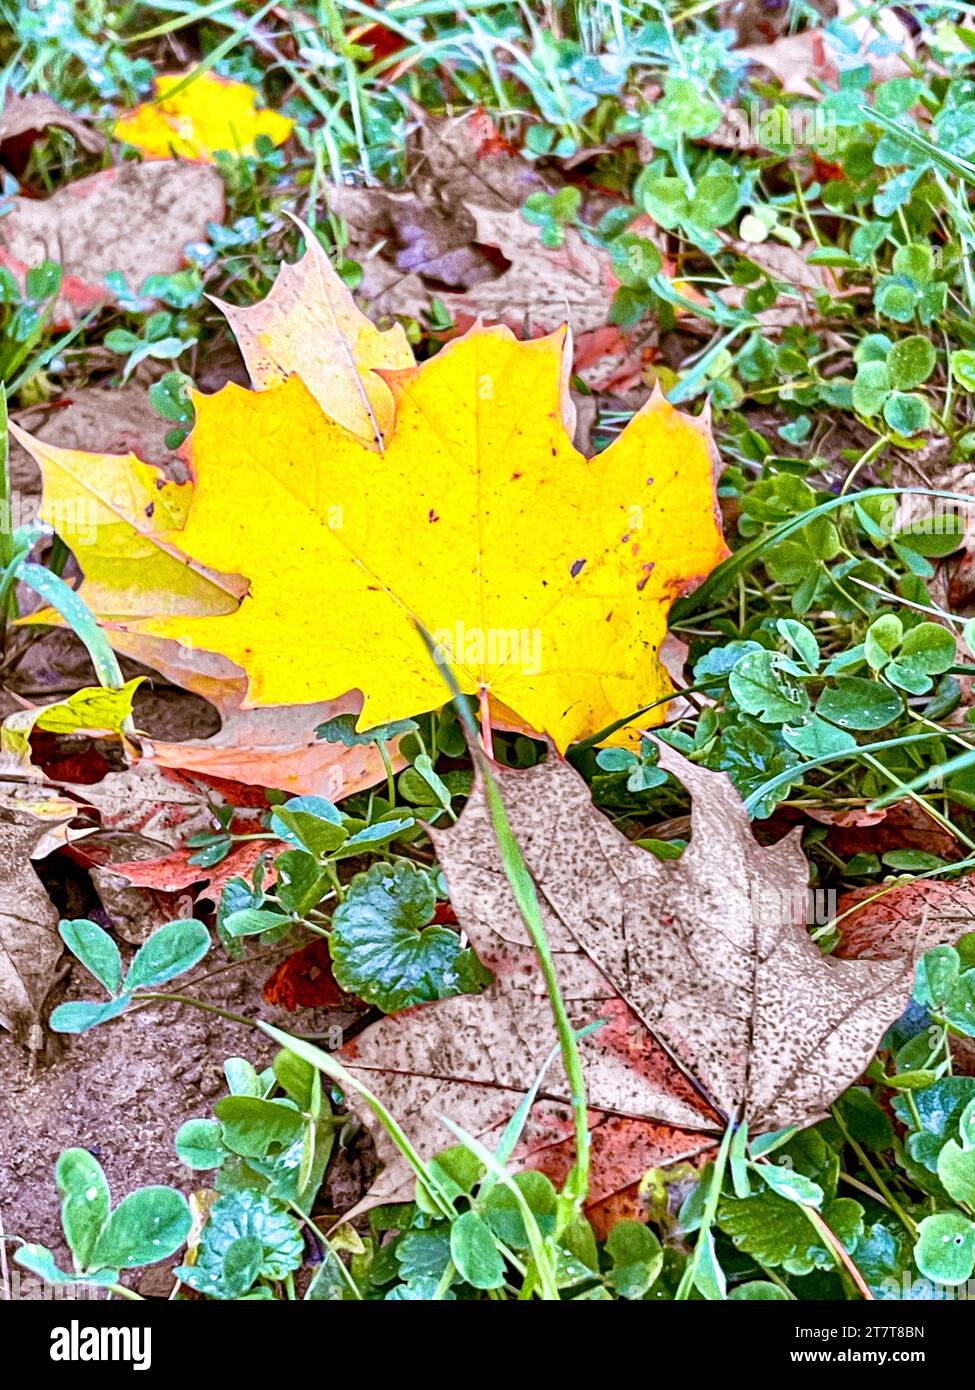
(523, 889)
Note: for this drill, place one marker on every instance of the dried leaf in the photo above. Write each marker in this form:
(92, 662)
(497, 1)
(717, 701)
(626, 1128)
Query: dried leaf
(30, 947)
(305, 981)
(32, 114)
(309, 324)
(899, 921)
(795, 59)
(135, 218)
(207, 114)
(705, 960)
(174, 872)
(94, 710)
(543, 287)
(277, 747)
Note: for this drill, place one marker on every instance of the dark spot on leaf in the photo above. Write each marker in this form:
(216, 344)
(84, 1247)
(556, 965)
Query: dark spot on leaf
(577, 568)
(432, 515)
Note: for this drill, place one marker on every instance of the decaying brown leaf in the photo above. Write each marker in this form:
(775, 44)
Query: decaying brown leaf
(717, 1002)
(29, 943)
(900, 921)
(28, 115)
(543, 288)
(457, 232)
(795, 59)
(136, 219)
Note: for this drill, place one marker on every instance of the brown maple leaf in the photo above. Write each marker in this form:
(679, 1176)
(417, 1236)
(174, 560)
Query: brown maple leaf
(716, 1004)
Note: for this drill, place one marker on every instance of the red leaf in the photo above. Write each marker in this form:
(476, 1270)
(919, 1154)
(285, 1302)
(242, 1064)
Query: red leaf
(305, 981)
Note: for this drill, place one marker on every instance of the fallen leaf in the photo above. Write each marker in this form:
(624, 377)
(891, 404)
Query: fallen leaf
(309, 324)
(135, 219)
(94, 710)
(113, 511)
(789, 266)
(206, 114)
(174, 872)
(704, 960)
(900, 921)
(464, 159)
(305, 981)
(30, 947)
(624, 539)
(160, 806)
(902, 826)
(464, 199)
(414, 232)
(105, 420)
(116, 513)
(795, 59)
(543, 288)
(277, 747)
(32, 114)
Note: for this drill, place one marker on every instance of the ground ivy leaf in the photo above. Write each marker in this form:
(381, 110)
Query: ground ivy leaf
(243, 1216)
(385, 951)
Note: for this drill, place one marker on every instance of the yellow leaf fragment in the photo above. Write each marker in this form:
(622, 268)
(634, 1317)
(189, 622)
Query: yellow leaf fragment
(309, 324)
(93, 710)
(117, 515)
(208, 114)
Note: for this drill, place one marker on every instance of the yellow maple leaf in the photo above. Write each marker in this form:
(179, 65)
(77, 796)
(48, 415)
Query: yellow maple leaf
(196, 118)
(545, 577)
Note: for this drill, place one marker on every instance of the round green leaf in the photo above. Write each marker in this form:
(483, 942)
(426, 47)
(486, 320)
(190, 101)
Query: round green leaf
(871, 387)
(816, 738)
(82, 1014)
(896, 298)
(906, 414)
(86, 1201)
(95, 949)
(911, 362)
(637, 1258)
(199, 1144)
(39, 1260)
(383, 949)
(928, 648)
(244, 1216)
(257, 1128)
(945, 1250)
(758, 1291)
(857, 703)
(956, 1169)
(963, 368)
(503, 1213)
(474, 1251)
(762, 688)
(875, 347)
(883, 637)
